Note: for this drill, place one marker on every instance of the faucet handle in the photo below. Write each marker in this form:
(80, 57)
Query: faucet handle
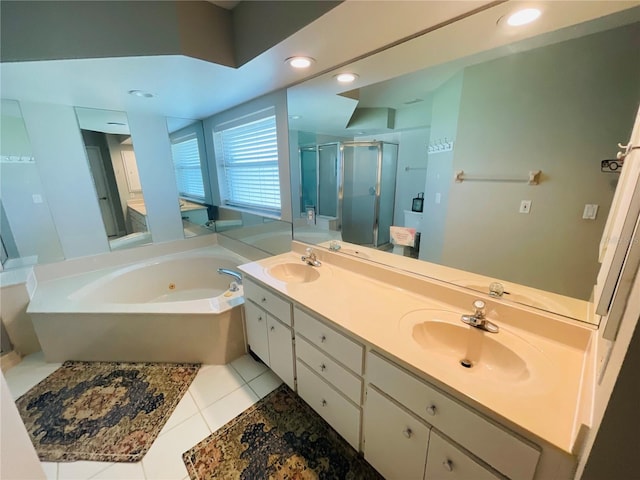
(478, 307)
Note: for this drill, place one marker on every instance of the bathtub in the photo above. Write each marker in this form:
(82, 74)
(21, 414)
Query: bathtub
(174, 308)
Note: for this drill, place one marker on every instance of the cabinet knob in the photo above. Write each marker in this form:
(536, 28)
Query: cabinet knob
(264, 299)
(324, 403)
(260, 318)
(407, 432)
(448, 465)
(322, 338)
(431, 410)
(323, 367)
(272, 328)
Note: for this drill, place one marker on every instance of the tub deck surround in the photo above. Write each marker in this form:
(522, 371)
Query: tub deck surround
(371, 302)
(171, 308)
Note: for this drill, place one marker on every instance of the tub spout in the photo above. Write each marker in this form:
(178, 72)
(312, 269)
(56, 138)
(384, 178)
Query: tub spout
(232, 273)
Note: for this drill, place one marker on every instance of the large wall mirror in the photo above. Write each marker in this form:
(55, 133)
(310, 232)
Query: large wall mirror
(28, 234)
(458, 119)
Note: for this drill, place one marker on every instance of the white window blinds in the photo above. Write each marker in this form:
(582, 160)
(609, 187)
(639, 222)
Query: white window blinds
(186, 163)
(247, 156)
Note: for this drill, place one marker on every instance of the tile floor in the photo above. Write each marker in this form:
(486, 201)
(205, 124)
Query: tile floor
(218, 394)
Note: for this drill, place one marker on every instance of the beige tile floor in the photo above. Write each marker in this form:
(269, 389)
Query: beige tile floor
(218, 394)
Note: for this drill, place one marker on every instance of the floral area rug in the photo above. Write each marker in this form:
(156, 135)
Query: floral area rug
(102, 411)
(280, 437)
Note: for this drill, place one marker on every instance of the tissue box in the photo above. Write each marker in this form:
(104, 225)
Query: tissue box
(403, 236)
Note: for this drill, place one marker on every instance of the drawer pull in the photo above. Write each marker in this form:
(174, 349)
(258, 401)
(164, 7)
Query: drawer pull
(448, 465)
(260, 318)
(323, 367)
(264, 299)
(431, 410)
(322, 338)
(407, 432)
(324, 402)
(272, 328)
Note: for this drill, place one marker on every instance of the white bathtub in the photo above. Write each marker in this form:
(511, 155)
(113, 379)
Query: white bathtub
(174, 308)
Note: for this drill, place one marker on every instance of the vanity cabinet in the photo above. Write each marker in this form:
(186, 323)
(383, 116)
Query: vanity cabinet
(137, 220)
(329, 368)
(268, 327)
(497, 447)
(395, 442)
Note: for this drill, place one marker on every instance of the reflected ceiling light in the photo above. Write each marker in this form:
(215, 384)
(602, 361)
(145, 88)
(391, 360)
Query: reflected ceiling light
(524, 16)
(141, 93)
(346, 77)
(300, 62)
(294, 117)
(120, 124)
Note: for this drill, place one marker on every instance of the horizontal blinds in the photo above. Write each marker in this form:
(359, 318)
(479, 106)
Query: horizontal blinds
(249, 164)
(186, 163)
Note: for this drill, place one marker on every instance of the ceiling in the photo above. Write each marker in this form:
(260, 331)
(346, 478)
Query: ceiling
(185, 87)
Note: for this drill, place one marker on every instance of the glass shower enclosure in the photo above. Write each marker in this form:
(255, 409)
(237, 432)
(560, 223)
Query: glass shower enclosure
(354, 182)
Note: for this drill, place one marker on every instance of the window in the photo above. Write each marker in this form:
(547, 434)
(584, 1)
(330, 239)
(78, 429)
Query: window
(186, 164)
(247, 158)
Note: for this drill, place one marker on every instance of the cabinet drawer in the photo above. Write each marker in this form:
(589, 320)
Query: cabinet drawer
(345, 381)
(447, 462)
(395, 442)
(340, 347)
(272, 303)
(337, 411)
(501, 449)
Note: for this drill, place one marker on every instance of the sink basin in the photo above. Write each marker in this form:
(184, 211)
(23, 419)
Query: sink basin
(294, 272)
(502, 357)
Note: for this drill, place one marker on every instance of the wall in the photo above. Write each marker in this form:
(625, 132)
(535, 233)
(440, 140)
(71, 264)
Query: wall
(19, 458)
(155, 165)
(277, 100)
(31, 230)
(559, 109)
(66, 179)
(444, 124)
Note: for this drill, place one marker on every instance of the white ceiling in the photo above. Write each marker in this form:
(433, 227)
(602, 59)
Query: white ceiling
(191, 88)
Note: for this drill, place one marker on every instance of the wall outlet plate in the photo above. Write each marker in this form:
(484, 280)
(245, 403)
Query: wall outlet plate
(525, 206)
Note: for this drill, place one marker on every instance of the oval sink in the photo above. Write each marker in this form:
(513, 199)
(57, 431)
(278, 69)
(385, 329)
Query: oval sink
(501, 357)
(294, 273)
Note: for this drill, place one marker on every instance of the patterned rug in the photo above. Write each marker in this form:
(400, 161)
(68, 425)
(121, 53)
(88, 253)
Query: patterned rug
(100, 411)
(280, 437)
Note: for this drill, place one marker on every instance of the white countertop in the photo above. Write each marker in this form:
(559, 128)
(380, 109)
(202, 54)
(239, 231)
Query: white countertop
(544, 404)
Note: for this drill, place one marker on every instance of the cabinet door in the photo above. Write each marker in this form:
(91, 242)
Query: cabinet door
(448, 462)
(395, 442)
(256, 323)
(280, 350)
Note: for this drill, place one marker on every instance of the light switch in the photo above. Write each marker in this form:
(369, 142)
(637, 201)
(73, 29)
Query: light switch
(525, 206)
(36, 198)
(438, 197)
(590, 211)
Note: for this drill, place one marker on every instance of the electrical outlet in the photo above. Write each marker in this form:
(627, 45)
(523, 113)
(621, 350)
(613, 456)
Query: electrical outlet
(590, 211)
(525, 206)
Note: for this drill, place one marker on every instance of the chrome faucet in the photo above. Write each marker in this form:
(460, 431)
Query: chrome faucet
(232, 273)
(478, 319)
(310, 258)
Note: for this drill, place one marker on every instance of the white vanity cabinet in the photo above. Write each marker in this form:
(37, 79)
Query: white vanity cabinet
(395, 442)
(329, 368)
(475, 435)
(268, 327)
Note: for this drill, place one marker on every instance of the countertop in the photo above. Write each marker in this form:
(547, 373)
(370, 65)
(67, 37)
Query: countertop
(544, 404)
(185, 206)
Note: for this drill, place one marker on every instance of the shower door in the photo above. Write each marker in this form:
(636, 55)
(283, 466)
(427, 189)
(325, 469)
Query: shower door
(308, 178)
(328, 179)
(360, 184)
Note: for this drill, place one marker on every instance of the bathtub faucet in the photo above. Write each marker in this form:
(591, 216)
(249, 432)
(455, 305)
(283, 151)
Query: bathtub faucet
(232, 273)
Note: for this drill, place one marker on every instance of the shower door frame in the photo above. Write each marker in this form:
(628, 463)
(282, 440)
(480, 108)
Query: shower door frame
(339, 172)
(376, 209)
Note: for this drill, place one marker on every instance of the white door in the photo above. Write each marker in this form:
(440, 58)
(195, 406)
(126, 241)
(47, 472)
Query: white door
(280, 350)
(102, 191)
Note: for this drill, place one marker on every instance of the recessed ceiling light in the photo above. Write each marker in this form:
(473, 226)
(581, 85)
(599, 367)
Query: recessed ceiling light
(300, 62)
(346, 77)
(141, 93)
(524, 16)
(415, 100)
